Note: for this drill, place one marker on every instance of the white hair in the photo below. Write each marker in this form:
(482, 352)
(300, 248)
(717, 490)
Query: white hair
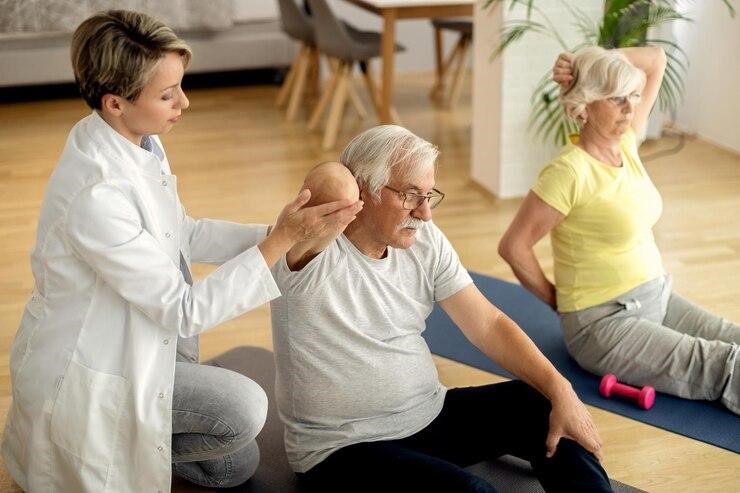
(374, 154)
(599, 74)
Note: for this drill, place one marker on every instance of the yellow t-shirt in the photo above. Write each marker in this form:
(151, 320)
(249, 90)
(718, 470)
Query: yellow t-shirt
(604, 246)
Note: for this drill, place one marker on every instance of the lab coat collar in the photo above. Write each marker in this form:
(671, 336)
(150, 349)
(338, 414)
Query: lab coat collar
(123, 148)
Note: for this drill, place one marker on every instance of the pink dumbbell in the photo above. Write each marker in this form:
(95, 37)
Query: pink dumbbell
(645, 396)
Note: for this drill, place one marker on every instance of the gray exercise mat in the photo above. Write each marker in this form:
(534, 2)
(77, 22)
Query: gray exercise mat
(274, 475)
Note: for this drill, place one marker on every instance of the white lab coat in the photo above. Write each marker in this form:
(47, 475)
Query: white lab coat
(92, 364)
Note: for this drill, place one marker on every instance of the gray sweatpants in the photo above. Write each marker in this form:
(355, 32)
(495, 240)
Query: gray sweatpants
(652, 336)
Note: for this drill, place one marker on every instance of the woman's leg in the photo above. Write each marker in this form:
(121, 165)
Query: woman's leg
(642, 352)
(223, 472)
(216, 415)
(688, 318)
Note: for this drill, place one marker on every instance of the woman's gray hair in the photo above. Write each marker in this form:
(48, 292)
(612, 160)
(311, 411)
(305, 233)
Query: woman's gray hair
(374, 154)
(599, 74)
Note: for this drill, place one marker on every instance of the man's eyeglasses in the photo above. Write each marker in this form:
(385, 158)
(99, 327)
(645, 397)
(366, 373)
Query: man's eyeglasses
(413, 200)
(620, 101)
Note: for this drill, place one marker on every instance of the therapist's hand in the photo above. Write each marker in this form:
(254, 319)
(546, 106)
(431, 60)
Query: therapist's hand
(297, 223)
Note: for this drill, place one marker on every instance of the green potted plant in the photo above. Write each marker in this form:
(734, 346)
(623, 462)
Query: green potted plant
(624, 23)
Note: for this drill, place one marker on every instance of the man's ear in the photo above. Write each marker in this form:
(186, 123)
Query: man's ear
(112, 104)
(364, 195)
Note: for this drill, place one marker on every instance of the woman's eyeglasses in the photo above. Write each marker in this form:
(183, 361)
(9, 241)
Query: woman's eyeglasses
(620, 101)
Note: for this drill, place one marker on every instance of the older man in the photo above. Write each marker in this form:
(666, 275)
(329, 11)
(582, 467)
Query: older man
(357, 388)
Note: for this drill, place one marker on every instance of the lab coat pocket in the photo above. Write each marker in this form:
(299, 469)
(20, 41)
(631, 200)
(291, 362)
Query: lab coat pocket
(85, 416)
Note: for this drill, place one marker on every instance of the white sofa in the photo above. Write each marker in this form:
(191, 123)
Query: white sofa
(234, 35)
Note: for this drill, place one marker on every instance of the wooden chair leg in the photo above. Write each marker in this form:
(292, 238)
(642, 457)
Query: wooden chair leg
(334, 64)
(375, 95)
(460, 70)
(439, 64)
(314, 73)
(439, 88)
(372, 89)
(451, 58)
(337, 108)
(351, 92)
(354, 98)
(395, 118)
(299, 87)
(282, 96)
(323, 101)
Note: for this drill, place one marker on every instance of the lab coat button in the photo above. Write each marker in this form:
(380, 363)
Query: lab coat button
(166, 341)
(168, 235)
(161, 395)
(160, 448)
(164, 183)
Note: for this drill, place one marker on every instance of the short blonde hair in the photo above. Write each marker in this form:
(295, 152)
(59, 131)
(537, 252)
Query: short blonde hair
(117, 51)
(375, 153)
(599, 74)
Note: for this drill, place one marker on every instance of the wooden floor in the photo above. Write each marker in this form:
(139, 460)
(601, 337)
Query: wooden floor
(236, 159)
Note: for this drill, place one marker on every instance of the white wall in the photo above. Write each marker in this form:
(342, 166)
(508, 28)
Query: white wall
(711, 107)
(505, 156)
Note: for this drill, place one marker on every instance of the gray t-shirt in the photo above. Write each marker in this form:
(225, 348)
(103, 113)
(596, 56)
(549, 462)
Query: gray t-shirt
(351, 363)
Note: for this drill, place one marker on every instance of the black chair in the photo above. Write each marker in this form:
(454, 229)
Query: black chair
(346, 45)
(298, 25)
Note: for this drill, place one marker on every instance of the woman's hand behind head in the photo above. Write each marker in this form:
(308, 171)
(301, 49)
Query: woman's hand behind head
(562, 71)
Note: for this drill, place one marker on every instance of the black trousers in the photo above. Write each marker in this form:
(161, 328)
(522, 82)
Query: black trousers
(476, 424)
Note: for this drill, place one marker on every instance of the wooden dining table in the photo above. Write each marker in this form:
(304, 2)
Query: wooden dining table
(393, 10)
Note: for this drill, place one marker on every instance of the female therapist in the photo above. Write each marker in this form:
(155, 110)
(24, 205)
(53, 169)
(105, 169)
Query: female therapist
(107, 392)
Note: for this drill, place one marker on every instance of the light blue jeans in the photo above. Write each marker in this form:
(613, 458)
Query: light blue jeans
(216, 415)
(652, 336)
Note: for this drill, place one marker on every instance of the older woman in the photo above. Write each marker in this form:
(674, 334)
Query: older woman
(617, 309)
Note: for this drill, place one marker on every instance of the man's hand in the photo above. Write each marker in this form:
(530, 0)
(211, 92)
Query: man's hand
(569, 418)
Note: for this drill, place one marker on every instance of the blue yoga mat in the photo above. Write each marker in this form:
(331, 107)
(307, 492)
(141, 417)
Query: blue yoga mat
(709, 422)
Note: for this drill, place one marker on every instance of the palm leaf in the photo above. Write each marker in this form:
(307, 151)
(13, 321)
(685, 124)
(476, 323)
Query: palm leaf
(529, 4)
(583, 22)
(514, 30)
(671, 50)
(510, 34)
(614, 11)
(730, 8)
(547, 116)
(671, 89)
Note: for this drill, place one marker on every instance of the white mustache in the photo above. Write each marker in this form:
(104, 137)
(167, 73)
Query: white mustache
(413, 223)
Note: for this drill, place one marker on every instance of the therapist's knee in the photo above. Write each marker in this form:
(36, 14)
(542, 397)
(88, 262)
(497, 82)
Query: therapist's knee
(245, 408)
(244, 465)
